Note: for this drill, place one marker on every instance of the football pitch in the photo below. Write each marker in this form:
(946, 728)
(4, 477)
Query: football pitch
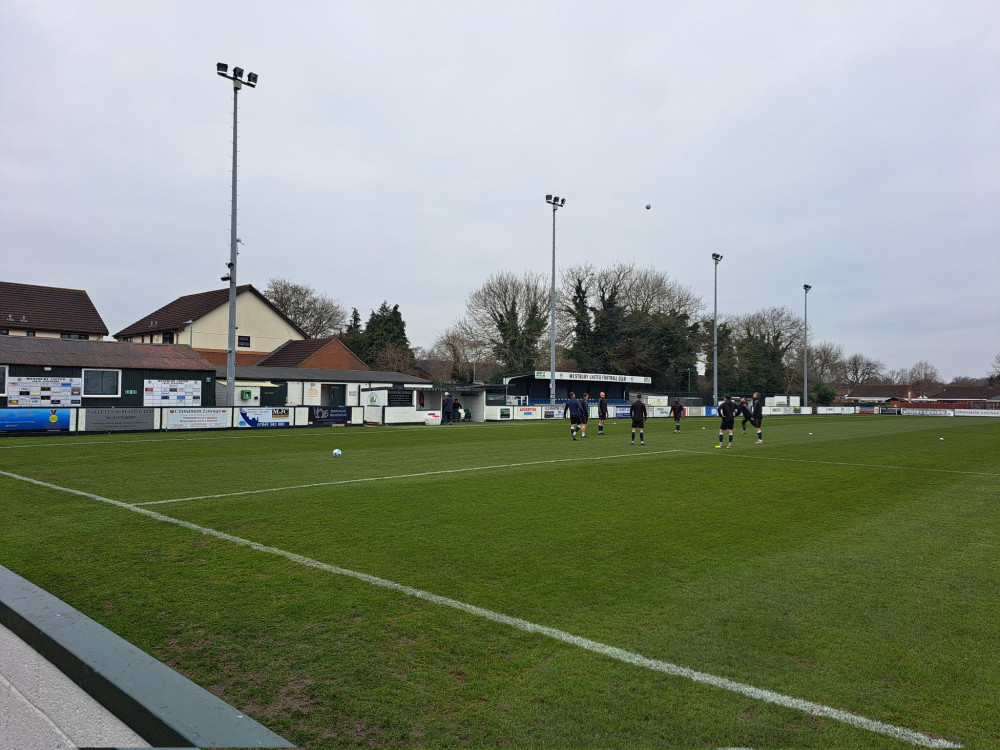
(501, 585)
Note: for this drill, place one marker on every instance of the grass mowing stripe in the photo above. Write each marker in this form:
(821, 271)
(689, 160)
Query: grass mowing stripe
(628, 657)
(403, 476)
(844, 463)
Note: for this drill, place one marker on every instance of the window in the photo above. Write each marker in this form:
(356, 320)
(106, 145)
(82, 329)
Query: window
(30, 334)
(102, 383)
(4, 332)
(168, 338)
(74, 336)
(244, 341)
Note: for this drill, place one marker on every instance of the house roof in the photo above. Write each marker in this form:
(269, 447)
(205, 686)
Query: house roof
(284, 374)
(884, 391)
(48, 308)
(22, 350)
(293, 353)
(174, 315)
(966, 393)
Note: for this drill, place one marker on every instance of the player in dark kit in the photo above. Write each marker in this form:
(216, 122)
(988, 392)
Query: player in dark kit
(638, 412)
(584, 414)
(727, 410)
(758, 416)
(746, 414)
(602, 413)
(575, 410)
(677, 412)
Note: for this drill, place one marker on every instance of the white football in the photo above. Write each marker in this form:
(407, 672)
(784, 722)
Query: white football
(336, 453)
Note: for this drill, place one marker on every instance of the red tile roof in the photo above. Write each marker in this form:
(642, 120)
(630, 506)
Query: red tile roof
(23, 350)
(50, 309)
(328, 354)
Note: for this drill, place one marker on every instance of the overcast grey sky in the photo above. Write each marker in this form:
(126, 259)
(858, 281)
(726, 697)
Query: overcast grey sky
(402, 151)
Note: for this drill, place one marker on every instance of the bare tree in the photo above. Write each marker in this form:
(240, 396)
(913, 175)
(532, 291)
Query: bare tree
(860, 369)
(897, 377)
(924, 378)
(995, 371)
(826, 362)
(316, 315)
(967, 380)
(459, 355)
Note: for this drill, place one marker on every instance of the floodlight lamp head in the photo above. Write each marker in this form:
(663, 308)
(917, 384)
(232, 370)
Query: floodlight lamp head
(548, 198)
(238, 72)
(221, 68)
(806, 287)
(716, 257)
(251, 79)
(227, 277)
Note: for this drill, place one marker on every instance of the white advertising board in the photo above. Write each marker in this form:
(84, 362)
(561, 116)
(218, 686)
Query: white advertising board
(197, 419)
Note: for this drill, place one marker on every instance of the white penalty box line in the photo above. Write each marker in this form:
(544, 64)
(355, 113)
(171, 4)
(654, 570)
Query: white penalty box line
(612, 652)
(416, 475)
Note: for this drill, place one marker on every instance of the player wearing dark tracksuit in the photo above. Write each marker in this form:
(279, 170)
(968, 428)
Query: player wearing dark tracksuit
(602, 413)
(746, 413)
(758, 416)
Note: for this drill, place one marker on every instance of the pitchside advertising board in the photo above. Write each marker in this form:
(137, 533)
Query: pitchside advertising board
(263, 417)
(119, 420)
(171, 393)
(197, 419)
(34, 419)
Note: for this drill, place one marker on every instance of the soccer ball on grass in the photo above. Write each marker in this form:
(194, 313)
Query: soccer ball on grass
(337, 453)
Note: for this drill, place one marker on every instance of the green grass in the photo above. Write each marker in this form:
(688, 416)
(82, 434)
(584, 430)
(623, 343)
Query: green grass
(855, 567)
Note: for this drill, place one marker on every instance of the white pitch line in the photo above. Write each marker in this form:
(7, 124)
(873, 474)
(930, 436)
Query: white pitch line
(436, 472)
(612, 652)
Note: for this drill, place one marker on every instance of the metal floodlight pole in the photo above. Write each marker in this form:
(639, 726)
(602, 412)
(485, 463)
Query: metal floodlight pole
(238, 82)
(805, 348)
(715, 334)
(556, 202)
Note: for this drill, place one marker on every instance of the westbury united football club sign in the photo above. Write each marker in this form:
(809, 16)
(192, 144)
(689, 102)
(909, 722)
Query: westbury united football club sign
(600, 377)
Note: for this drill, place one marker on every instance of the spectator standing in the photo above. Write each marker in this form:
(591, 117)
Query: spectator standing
(448, 408)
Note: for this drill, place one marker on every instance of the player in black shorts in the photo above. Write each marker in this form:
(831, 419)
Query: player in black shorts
(602, 413)
(677, 412)
(727, 410)
(638, 411)
(575, 409)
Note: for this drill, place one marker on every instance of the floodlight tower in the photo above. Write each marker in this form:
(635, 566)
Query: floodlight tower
(556, 202)
(805, 348)
(237, 78)
(715, 334)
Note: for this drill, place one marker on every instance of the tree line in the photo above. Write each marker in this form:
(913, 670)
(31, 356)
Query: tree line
(619, 320)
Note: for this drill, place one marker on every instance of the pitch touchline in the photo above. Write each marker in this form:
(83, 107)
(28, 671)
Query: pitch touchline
(401, 476)
(612, 652)
(757, 455)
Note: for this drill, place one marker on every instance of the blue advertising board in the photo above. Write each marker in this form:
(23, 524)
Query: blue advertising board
(34, 419)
